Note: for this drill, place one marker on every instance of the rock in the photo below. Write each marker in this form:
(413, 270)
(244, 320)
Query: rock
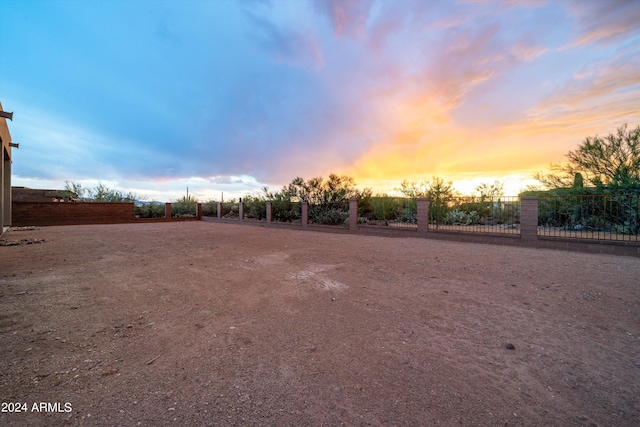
(510, 346)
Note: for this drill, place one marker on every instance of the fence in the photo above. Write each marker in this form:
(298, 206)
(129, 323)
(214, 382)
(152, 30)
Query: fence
(599, 217)
(336, 213)
(397, 212)
(476, 214)
(506, 221)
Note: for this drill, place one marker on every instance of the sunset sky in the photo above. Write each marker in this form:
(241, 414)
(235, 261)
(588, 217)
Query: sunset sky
(228, 96)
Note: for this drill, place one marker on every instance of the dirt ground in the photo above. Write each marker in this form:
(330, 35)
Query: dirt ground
(200, 323)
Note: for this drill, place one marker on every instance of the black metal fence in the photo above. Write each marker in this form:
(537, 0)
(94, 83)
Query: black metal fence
(286, 211)
(230, 210)
(255, 209)
(335, 213)
(399, 212)
(601, 217)
(475, 214)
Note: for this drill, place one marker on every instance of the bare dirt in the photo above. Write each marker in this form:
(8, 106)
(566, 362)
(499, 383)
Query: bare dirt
(200, 323)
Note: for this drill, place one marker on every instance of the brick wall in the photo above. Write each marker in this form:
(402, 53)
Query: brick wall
(50, 213)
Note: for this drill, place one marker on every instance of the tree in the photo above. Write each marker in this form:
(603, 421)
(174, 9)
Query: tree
(75, 189)
(610, 163)
(437, 191)
(100, 193)
(328, 200)
(490, 191)
(437, 188)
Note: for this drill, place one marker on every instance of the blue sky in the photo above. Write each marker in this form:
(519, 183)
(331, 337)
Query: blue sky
(154, 96)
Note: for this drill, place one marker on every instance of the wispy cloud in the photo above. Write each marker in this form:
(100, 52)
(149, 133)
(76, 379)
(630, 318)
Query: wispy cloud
(285, 44)
(348, 17)
(604, 22)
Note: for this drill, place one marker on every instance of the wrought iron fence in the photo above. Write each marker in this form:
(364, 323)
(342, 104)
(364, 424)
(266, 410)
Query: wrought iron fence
(230, 210)
(335, 213)
(396, 212)
(286, 211)
(255, 209)
(601, 217)
(475, 214)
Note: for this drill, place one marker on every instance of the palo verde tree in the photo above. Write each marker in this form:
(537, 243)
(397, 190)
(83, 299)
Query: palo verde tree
(610, 163)
(437, 191)
(328, 199)
(99, 193)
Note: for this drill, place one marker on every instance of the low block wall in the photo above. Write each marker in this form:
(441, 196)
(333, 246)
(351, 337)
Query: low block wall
(50, 213)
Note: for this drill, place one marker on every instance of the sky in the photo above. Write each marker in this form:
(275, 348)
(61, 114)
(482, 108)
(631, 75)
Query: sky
(225, 97)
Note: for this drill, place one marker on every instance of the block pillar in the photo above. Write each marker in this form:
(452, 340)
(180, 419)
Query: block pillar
(304, 206)
(529, 218)
(353, 214)
(199, 210)
(219, 211)
(241, 210)
(167, 210)
(268, 213)
(422, 214)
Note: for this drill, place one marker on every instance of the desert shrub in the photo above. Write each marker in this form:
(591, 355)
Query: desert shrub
(460, 217)
(255, 207)
(285, 211)
(334, 214)
(184, 207)
(210, 208)
(150, 210)
(230, 209)
(387, 209)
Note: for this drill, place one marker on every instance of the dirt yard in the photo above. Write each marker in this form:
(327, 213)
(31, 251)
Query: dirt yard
(207, 324)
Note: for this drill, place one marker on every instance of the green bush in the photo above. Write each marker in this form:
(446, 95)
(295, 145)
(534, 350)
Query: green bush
(336, 214)
(184, 207)
(150, 210)
(459, 217)
(255, 207)
(210, 208)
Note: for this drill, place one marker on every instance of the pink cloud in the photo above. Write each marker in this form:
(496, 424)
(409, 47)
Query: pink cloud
(599, 80)
(604, 21)
(348, 17)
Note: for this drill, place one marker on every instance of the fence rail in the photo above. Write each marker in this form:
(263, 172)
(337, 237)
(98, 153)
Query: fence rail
(476, 214)
(599, 217)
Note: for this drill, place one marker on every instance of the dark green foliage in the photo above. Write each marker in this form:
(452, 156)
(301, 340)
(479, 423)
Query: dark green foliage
(210, 208)
(230, 209)
(255, 207)
(150, 210)
(614, 213)
(383, 210)
(184, 207)
(328, 200)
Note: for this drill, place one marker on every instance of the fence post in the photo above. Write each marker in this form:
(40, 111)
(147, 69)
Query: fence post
(199, 210)
(219, 213)
(241, 210)
(268, 213)
(304, 207)
(422, 215)
(529, 218)
(353, 214)
(167, 210)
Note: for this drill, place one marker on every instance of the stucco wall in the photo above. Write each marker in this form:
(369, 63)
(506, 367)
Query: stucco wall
(5, 175)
